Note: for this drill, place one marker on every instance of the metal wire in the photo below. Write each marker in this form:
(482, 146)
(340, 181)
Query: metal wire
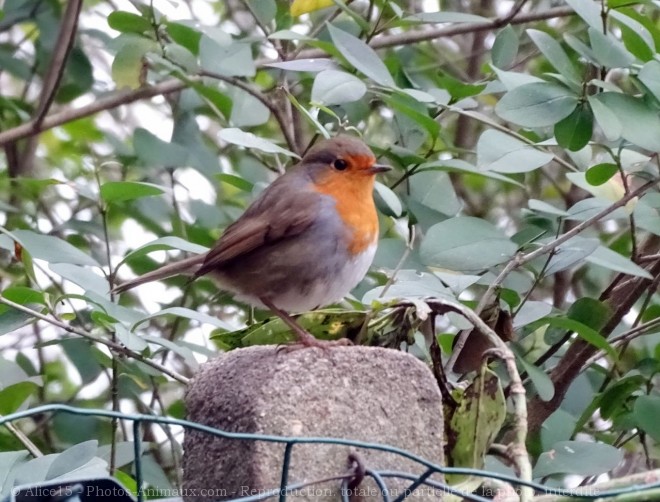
(285, 489)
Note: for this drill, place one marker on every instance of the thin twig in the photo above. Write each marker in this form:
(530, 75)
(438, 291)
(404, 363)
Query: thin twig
(517, 390)
(412, 37)
(173, 85)
(521, 259)
(119, 349)
(277, 113)
(99, 105)
(25, 441)
(53, 77)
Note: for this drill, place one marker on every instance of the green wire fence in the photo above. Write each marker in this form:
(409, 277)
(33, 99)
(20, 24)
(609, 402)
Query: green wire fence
(379, 477)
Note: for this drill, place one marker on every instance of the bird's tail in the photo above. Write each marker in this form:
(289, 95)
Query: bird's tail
(182, 267)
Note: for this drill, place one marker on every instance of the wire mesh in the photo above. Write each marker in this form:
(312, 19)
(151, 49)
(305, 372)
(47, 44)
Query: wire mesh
(285, 489)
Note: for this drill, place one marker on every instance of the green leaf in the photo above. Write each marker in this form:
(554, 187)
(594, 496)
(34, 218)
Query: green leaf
(640, 123)
(247, 139)
(476, 422)
(646, 413)
(435, 190)
(649, 75)
(164, 243)
(83, 277)
(246, 111)
(606, 119)
(361, 56)
(184, 35)
(127, 22)
(503, 153)
(612, 260)
(601, 173)
(72, 458)
(390, 198)
(12, 319)
(325, 324)
(637, 39)
(609, 52)
(128, 66)
(553, 51)
(544, 207)
(416, 111)
(263, 10)
(409, 285)
(574, 132)
(333, 87)
(128, 339)
(83, 356)
(614, 399)
(226, 57)
(153, 151)
(571, 253)
(47, 247)
(531, 311)
(588, 11)
(465, 244)
(460, 166)
(121, 191)
(186, 313)
(13, 396)
(578, 457)
(313, 121)
(505, 47)
(537, 104)
(541, 381)
(216, 99)
(235, 181)
(583, 331)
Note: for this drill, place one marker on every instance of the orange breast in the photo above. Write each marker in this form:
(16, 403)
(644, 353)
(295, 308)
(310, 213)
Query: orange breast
(353, 194)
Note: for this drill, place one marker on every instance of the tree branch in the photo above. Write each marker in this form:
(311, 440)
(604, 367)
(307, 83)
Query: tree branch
(102, 104)
(116, 347)
(277, 113)
(412, 37)
(621, 298)
(52, 78)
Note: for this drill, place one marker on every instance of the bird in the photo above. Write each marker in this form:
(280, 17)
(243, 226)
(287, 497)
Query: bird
(305, 242)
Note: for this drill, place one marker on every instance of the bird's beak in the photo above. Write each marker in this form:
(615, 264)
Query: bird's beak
(379, 168)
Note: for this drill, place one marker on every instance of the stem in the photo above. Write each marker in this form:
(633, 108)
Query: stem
(116, 347)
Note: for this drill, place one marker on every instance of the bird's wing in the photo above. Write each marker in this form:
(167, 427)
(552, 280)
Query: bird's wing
(270, 219)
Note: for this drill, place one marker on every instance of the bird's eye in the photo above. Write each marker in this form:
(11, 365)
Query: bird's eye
(340, 164)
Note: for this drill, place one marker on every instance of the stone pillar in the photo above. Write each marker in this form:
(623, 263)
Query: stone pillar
(360, 393)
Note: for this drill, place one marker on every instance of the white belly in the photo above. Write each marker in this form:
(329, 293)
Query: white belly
(326, 290)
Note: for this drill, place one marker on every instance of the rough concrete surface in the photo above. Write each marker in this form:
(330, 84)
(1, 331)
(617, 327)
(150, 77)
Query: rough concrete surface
(359, 393)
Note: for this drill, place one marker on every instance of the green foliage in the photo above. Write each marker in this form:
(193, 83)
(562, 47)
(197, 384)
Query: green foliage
(506, 149)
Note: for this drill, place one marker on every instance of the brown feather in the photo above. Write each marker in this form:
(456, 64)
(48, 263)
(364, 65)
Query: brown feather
(269, 220)
(187, 266)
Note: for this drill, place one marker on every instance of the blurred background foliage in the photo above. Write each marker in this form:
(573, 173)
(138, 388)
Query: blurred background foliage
(524, 137)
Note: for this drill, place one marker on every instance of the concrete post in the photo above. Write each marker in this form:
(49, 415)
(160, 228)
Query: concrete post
(360, 393)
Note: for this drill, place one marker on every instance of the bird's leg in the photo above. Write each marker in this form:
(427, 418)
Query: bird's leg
(304, 337)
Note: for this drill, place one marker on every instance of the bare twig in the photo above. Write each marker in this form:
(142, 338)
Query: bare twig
(412, 37)
(51, 82)
(116, 347)
(102, 104)
(518, 448)
(521, 259)
(25, 441)
(277, 112)
(173, 85)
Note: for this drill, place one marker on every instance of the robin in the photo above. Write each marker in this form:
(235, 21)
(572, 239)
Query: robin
(305, 242)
